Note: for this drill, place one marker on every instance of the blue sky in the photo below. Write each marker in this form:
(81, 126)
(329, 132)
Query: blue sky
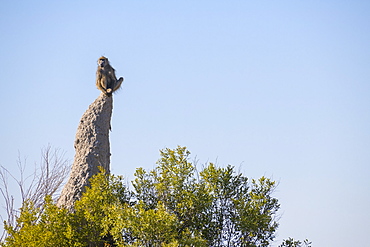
(276, 88)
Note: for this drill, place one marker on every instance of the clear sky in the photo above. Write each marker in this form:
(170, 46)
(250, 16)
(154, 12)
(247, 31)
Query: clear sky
(276, 88)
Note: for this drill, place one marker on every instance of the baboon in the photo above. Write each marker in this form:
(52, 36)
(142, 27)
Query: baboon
(106, 80)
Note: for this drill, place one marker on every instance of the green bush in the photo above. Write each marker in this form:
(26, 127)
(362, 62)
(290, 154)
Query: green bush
(171, 205)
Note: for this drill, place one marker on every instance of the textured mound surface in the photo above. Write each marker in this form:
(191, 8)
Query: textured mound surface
(92, 149)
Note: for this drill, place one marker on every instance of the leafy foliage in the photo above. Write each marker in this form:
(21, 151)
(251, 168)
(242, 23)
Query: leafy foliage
(171, 205)
(290, 242)
(40, 226)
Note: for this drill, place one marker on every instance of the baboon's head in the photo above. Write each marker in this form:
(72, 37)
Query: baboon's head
(102, 61)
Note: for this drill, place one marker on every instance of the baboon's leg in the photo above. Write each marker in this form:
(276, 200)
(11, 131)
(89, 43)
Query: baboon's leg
(118, 84)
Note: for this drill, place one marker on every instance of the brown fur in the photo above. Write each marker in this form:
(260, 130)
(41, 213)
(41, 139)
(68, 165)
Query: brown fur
(106, 80)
